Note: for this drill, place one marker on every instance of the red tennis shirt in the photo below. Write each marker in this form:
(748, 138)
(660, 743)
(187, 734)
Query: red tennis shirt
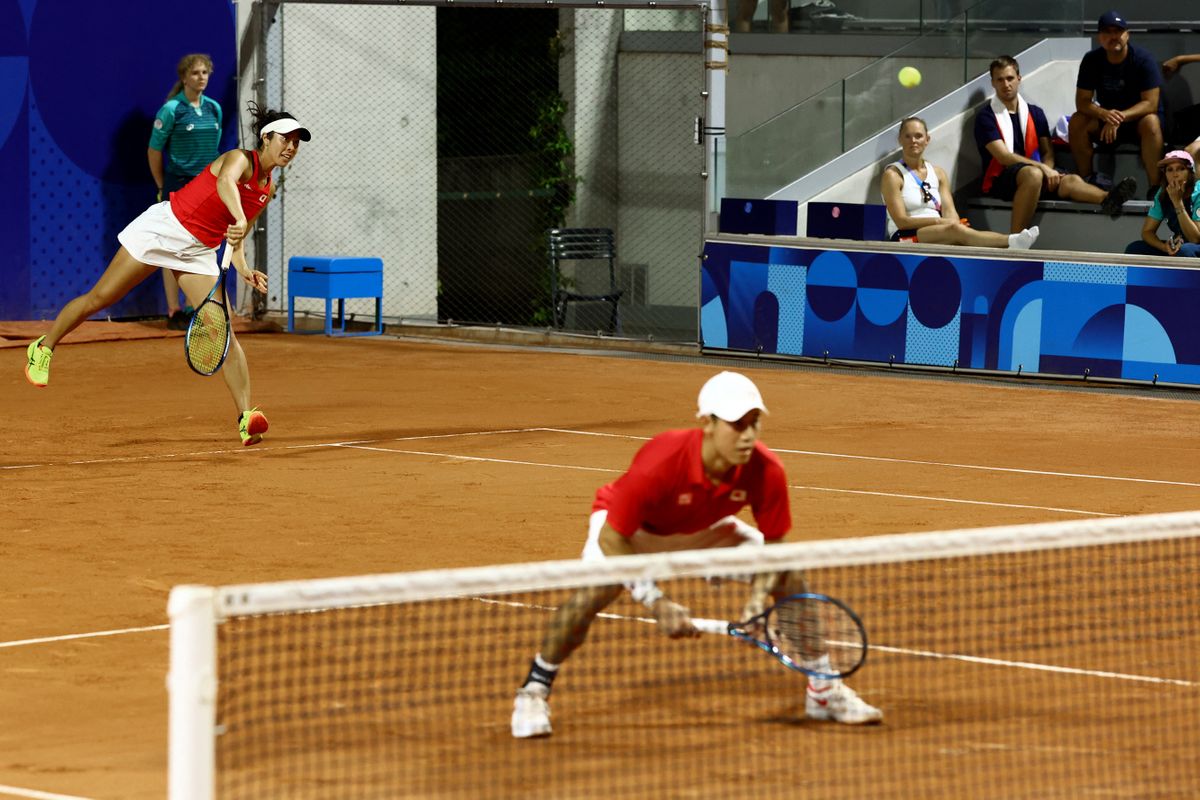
(201, 210)
(665, 490)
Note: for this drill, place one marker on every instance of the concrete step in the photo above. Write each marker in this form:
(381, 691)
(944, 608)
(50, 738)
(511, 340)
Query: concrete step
(1065, 225)
(1125, 161)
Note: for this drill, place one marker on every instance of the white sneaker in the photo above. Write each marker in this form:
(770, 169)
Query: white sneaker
(531, 713)
(837, 702)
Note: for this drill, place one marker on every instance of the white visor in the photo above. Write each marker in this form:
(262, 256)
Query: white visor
(286, 126)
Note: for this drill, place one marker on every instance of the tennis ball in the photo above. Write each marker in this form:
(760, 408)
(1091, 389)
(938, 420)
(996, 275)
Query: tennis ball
(909, 77)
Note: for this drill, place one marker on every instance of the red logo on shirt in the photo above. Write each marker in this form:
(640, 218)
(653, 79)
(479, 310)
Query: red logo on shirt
(685, 499)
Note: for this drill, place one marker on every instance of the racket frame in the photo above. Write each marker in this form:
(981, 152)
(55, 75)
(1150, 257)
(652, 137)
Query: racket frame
(738, 630)
(226, 259)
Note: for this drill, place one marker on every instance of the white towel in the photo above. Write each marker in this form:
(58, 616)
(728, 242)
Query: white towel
(1004, 121)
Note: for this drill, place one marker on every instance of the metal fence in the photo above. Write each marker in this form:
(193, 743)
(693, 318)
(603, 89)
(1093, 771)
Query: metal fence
(447, 140)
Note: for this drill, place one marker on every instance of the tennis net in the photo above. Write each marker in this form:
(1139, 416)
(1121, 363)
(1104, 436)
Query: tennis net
(1054, 660)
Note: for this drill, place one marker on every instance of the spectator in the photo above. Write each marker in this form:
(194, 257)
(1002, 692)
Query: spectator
(1014, 147)
(1117, 100)
(1169, 68)
(188, 126)
(1172, 65)
(1178, 204)
(920, 207)
(777, 21)
(810, 14)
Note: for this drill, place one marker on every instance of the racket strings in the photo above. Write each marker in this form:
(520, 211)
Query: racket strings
(807, 630)
(208, 337)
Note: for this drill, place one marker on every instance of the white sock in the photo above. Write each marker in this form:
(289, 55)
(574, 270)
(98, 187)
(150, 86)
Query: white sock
(818, 665)
(1023, 240)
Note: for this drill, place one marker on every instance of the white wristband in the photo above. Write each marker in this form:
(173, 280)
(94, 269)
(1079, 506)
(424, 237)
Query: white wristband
(645, 592)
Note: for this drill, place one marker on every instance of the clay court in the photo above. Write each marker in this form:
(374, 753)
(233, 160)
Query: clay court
(125, 477)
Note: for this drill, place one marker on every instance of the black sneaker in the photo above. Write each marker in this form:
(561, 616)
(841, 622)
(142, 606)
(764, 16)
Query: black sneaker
(1115, 200)
(821, 15)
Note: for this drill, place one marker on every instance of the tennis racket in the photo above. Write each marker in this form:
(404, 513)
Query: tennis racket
(209, 332)
(799, 630)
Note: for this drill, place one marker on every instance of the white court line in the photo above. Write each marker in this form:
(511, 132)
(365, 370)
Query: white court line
(994, 662)
(477, 458)
(948, 464)
(1095, 673)
(36, 795)
(818, 453)
(233, 451)
(68, 637)
(955, 500)
(483, 459)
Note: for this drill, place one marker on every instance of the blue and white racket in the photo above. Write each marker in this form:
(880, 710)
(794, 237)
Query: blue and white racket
(811, 633)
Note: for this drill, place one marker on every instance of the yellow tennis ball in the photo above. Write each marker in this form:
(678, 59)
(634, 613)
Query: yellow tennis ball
(909, 77)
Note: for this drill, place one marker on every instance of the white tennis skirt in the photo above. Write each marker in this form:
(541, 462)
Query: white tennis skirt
(158, 238)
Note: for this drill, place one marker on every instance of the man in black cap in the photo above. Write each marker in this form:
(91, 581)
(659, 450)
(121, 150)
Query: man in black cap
(1117, 100)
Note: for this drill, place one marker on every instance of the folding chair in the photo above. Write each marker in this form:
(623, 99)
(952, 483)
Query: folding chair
(583, 244)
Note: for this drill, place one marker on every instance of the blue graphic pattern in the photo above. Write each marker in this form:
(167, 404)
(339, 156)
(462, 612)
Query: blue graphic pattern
(1085, 273)
(1099, 320)
(73, 168)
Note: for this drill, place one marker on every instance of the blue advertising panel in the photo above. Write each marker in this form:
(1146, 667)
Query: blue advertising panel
(1012, 315)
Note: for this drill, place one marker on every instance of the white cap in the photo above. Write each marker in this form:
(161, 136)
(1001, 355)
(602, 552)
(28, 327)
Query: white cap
(285, 126)
(729, 396)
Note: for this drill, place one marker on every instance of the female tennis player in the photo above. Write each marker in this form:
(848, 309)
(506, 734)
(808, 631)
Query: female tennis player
(681, 493)
(182, 234)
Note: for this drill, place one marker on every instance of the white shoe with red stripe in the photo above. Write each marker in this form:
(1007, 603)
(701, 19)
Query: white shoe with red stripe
(837, 702)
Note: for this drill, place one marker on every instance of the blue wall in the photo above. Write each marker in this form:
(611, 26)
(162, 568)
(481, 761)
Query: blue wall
(1050, 317)
(80, 83)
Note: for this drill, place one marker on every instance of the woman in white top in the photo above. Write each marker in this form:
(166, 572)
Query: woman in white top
(919, 204)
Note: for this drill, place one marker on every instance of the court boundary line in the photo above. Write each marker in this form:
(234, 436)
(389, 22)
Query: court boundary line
(571, 431)
(995, 662)
(66, 637)
(486, 459)
(34, 794)
(918, 462)
(985, 660)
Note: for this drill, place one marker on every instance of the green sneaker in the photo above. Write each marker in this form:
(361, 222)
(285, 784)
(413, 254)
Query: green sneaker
(252, 425)
(37, 370)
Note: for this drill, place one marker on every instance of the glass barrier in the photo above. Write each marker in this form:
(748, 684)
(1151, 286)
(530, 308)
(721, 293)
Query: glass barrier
(947, 54)
(885, 17)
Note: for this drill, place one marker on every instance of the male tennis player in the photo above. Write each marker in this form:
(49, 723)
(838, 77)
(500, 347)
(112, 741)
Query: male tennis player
(681, 493)
(182, 234)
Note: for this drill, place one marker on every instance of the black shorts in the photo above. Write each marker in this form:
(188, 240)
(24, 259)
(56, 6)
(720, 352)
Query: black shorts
(1004, 185)
(1127, 133)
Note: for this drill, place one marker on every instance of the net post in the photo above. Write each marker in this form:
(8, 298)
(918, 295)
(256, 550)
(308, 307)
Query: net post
(192, 689)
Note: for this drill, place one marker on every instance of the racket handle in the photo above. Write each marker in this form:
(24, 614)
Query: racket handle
(711, 625)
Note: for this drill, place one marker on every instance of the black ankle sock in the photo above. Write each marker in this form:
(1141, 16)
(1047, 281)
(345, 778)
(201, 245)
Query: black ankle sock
(538, 673)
